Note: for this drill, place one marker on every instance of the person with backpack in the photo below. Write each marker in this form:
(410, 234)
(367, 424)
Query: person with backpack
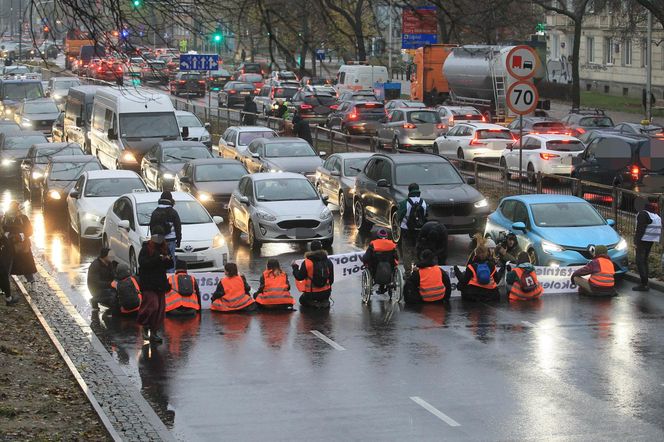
(412, 212)
(232, 293)
(600, 272)
(128, 290)
(184, 299)
(274, 290)
(315, 277)
(522, 280)
(167, 218)
(479, 282)
(428, 282)
(381, 258)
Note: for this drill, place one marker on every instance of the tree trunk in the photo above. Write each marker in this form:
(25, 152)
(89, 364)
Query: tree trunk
(442, 27)
(576, 80)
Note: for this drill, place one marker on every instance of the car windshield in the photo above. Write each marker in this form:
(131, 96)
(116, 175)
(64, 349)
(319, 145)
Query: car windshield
(360, 97)
(579, 214)
(423, 117)
(288, 149)
(240, 86)
(220, 73)
(285, 189)
(190, 212)
(466, 113)
(284, 92)
(247, 137)
(65, 84)
(108, 187)
(287, 75)
(149, 125)
(189, 121)
(565, 145)
(44, 155)
(494, 134)
(596, 122)
(22, 91)
(70, 171)
(353, 166)
(427, 174)
(46, 107)
(23, 142)
(219, 172)
(18, 70)
(184, 154)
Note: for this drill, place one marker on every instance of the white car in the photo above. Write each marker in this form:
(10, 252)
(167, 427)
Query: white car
(452, 115)
(197, 131)
(126, 228)
(94, 192)
(479, 141)
(547, 153)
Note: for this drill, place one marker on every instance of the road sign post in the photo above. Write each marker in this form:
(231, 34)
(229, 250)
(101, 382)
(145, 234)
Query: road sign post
(522, 98)
(522, 62)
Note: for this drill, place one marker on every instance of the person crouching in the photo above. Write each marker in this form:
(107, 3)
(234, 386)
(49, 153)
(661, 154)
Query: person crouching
(128, 290)
(184, 299)
(480, 280)
(523, 280)
(274, 290)
(601, 271)
(232, 293)
(428, 282)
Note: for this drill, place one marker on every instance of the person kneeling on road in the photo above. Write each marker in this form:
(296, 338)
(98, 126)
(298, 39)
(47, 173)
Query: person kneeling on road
(184, 298)
(100, 277)
(315, 277)
(232, 293)
(274, 290)
(128, 290)
(428, 282)
(523, 280)
(601, 281)
(381, 259)
(480, 280)
(433, 236)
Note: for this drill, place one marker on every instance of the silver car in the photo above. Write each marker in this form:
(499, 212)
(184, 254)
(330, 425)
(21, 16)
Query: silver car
(279, 207)
(411, 128)
(335, 179)
(235, 140)
(282, 154)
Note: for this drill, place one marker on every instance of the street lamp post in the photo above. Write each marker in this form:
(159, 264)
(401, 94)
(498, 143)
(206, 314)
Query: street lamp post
(649, 68)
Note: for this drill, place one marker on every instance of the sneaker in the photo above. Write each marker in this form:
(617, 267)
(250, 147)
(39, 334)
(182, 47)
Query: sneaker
(11, 300)
(640, 288)
(146, 334)
(154, 337)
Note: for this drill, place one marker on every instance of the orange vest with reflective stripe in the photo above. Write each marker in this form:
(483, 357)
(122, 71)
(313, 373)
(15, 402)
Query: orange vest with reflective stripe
(175, 300)
(235, 298)
(383, 245)
(604, 278)
(431, 284)
(123, 310)
(474, 281)
(517, 294)
(308, 286)
(275, 290)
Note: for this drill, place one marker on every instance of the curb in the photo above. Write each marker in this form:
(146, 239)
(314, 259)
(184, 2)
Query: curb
(652, 283)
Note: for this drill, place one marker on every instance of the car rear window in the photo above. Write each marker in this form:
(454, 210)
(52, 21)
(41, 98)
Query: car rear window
(190, 77)
(596, 122)
(320, 100)
(549, 126)
(565, 145)
(252, 78)
(285, 92)
(467, 117)
(423, 117)
(370, 108)
(494, 134)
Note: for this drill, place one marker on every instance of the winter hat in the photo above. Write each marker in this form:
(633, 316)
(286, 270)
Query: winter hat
(122, 271)
(316, 245)
(167, 196)
(601, 250)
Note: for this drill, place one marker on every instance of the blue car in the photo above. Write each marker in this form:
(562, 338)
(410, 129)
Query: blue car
(557, 230)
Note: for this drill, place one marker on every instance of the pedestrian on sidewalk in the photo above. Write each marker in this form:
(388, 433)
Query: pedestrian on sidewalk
(100, 282)
(6, 257)
(153, 260)
(18, 229)
(168, 220)
(249, 111)
(648, 232)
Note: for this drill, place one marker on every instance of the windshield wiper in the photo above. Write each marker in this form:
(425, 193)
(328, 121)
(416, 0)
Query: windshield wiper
(174, 157)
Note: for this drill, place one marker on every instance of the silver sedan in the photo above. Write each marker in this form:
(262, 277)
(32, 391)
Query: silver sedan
(335, 179)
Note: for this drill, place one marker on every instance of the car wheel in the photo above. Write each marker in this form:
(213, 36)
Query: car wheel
(396, 144)
(254, 243)
(133, 264)
(395, 227)
(358, 214)
(233, 230)
(532, 255)
(435, 149)
(503, 170)
(342, 205)
(532, 178)
(460, 155)
(104, 241)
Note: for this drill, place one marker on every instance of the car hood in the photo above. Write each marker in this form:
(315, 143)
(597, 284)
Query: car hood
(171, 167)
(309, 208)
(97, 206)
(14, 154)
(579, 237)
(41, 117)
(444, 193)
(217, 187)
(295, 164)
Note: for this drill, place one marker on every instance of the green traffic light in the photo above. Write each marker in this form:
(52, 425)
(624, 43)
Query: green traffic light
(217, 37)
(136, 3)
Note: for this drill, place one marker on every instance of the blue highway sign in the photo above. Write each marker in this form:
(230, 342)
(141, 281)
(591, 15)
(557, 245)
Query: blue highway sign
(199, 62)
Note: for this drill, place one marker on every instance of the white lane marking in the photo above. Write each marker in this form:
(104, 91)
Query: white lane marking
(529, 324)
(327, 340)
(436, 412)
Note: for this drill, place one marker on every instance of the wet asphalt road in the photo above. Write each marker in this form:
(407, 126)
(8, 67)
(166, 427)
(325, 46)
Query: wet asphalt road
(566, 368)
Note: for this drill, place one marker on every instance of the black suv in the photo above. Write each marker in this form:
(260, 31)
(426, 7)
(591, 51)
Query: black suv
(353, 118)
(450, 199)
(188, 83)
(580, 120)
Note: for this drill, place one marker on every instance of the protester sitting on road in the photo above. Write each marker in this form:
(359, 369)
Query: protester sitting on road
(153, 260)
(6, 257)
(433, 236)
(479, 281)
(601, 271)
(412, 212)
(301, 128)
(381, 258)
(508, 250)
(18, 229)
(648, 232)
(128, 290)
(232, 293)
(522, 280)
(490, 245)
(274, 290)
(249, 111)
(100, 279)
(315, 277)
(428, 282)
(167, 218)
(184, 299)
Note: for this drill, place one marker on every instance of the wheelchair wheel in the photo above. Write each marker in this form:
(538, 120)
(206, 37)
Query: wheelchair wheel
(398, 280)
(367, 285)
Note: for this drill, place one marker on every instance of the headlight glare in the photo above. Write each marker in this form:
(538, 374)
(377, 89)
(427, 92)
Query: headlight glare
(622, 245)
(204, 197)
(549, 247)
(8, 161)
(218, 241)
(54, 195)
(128, 157)
(481, 203)
(265, 216)
(168, 176)
(37, 175)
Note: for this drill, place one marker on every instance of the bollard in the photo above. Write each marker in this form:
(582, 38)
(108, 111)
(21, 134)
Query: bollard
(506, 180)
(476, 173)
(538, 181)
(228, 117)
(614, 204)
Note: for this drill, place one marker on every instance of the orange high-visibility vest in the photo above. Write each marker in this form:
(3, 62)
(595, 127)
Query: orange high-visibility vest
(123, 310)
(308, 285)
(175, 300)
(235, 298)
(275, 290)
(605, 276)
(516, 292)
(383, 245)
(431, 284)
(474, 281)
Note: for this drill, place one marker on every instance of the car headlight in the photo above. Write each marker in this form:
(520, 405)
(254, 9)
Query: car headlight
(218, 241)
(325, 214)
(265, 216)
(481, 203)
(204, 197)
(25, 122)
(92, 217)
(205, 138)
(57, 97)
(37, 175)
(54, 195)
(8, 161)
(549, 247)
(622, 245)
(275, 170)
(168, 176)
(8, 111)
(128, 157)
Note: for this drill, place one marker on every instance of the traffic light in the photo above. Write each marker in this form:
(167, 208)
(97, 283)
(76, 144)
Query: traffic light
(218, 36)
(137, 3)
(540, 28)
(46, 29)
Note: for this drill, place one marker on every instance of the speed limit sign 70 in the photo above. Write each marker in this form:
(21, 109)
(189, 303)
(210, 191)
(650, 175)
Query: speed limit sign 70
(522, 97)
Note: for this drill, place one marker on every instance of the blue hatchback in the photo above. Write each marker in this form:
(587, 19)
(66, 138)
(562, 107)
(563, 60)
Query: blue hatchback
(557, 230)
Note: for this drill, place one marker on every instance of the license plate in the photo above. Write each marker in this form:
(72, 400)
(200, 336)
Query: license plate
(566, 161)
(301, 233)
(188, 257)
(244, 93)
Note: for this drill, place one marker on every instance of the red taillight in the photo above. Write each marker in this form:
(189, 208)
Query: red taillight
(353, 116)
(257, 91)
(476, 142)
(483, 119)
(440, 126)
(182, 81)
(580, 130)
(635, 172)
(334, 107)
(201, 81)
(548, 156)
(306, 106)
(232, 91)
(409, 126)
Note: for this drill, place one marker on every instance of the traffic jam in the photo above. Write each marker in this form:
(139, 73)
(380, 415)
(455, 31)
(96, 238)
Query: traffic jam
(331, 226)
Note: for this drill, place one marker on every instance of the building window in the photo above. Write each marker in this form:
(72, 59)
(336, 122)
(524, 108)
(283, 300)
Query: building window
(590, 50)
(608, 50)
(627, 52)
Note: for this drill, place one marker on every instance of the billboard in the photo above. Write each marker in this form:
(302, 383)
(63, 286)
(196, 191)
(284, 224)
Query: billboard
(419, 27)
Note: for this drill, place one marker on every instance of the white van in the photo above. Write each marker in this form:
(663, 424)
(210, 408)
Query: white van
(360, 76)
(126, 123)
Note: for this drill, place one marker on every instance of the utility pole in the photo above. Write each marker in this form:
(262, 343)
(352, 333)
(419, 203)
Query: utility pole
(649, 68)
(389, 42)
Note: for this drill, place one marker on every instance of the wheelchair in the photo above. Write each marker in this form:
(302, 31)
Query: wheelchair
(394, 286)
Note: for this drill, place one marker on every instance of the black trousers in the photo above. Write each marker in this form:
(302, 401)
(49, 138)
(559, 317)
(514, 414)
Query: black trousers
(642, 252)
(5, 285)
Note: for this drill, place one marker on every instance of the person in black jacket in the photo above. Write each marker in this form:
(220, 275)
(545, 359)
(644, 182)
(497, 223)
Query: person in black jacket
(433, 236)
(18, 230)
(153, 261)
(100, 277)
(314, 295)
(249, 111)
(301, 128)
(167, 218)
(648, 232)
(6, 257)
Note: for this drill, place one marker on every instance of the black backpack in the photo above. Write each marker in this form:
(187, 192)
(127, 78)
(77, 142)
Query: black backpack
(417, 216)
(127, 294)
(185, 285)
(160, 219)
(321, 274)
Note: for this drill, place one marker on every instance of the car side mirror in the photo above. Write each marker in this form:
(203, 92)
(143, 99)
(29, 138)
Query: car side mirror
(322, 153)
(382, 183)
(152, 160)
(207, 126)
(217, 220)
(610, 223)
(519, 226)
(124, 224)
(335, 173)
(244, 200)
(470, 180)
(79, 121)
(325, 199)
(185, 132)
(74, 194)
(185, 180)
(255, 155)
(112, 135)
(230, 144)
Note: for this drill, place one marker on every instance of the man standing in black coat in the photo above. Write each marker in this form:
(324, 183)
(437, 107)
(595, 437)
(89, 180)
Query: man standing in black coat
(100, 277)
(301, 129)
(6, 257)
(166, 218)
(249, 111)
